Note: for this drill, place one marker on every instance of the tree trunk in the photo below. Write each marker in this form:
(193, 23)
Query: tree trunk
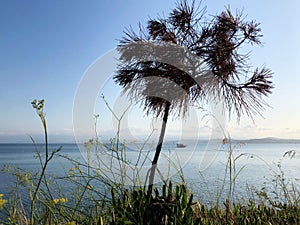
(158, 148)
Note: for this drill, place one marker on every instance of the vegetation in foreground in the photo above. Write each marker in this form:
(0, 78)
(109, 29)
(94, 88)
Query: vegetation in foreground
(94, 198)
(170, 204)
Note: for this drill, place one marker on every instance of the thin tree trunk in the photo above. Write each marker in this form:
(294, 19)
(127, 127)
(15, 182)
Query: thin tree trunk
(158, 148)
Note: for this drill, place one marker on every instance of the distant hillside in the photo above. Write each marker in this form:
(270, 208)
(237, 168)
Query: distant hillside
(254, 140)
(270, 140)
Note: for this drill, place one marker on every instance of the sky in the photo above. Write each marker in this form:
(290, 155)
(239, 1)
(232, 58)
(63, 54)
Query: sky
(48, 47)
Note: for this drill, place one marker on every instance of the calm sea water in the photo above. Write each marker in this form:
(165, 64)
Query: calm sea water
(203, 164)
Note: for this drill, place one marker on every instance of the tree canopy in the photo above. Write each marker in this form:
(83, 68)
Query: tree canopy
(194, 43)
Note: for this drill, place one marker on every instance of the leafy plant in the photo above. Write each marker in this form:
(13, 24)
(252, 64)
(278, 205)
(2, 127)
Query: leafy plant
(171, 206)
(39, 107)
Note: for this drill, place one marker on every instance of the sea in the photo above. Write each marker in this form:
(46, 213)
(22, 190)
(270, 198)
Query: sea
(212, 169)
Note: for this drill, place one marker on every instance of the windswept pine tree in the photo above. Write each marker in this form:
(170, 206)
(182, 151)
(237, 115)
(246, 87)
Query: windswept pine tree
(184, 58)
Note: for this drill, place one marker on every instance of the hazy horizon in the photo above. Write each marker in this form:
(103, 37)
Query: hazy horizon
(47, 47)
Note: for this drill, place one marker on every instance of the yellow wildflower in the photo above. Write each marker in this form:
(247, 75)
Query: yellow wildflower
(71, 171)
(70, 223)
(2, 201)
(57, 200)
(63, 200)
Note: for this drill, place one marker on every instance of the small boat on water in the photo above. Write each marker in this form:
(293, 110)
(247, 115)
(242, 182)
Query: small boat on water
(180, 145)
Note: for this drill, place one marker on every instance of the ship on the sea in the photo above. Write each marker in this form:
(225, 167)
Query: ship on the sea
(180, 145)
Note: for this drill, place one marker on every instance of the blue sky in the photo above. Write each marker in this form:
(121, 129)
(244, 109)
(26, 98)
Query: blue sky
(46, 47)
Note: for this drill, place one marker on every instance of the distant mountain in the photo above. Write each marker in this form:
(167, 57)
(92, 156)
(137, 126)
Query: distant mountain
(270, 140)
(253, 140)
